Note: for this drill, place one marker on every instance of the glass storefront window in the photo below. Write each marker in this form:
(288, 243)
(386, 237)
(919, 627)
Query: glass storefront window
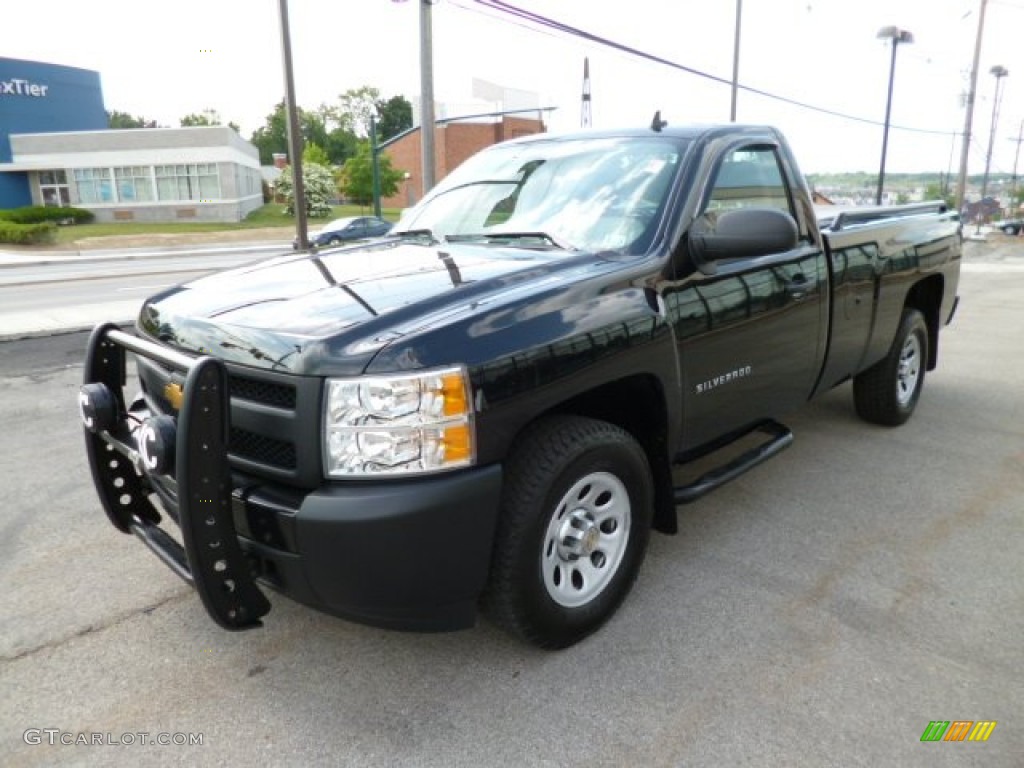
(94, 185)
(134, 184)
(191, 181)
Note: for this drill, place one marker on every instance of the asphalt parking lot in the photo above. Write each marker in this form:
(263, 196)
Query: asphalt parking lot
(821, 611)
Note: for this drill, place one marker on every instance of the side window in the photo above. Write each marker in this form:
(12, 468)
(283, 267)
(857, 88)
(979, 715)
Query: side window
(750, 177)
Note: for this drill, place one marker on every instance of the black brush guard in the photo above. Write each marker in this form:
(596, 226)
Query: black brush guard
(211, 559)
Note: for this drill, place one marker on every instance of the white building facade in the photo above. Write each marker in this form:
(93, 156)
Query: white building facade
(206, 173)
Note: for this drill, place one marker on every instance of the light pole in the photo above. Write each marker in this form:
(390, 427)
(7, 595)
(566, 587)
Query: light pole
(999, 73)
(897, 36)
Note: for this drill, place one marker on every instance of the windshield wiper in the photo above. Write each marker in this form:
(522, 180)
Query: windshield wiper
(502, 236)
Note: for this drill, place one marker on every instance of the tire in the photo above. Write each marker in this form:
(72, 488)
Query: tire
(1009, 230)
(887, 392)
(575, 519)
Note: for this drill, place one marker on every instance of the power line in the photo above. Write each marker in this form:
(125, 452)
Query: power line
(499, 17)
(544, 21)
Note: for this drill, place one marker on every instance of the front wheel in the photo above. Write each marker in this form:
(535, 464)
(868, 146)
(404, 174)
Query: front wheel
(887, 392)
(575, 520)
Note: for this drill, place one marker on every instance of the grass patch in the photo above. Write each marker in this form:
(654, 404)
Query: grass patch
(270, 215)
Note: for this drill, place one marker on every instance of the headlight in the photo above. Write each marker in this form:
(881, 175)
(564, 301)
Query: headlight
(401, 424)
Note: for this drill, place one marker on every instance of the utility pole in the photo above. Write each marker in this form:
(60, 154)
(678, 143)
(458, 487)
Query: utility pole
(427, 94)
(736, 61)
(1016, 157)
(294, 134)
(427, 160)
(961, 184)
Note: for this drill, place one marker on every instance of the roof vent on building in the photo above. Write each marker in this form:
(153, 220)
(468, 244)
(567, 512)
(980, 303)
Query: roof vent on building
(280, 160)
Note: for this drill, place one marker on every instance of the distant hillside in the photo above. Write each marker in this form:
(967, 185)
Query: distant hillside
(902, 180)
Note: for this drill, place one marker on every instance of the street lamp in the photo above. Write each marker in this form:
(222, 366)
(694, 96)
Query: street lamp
(897, 36)
(999, 73)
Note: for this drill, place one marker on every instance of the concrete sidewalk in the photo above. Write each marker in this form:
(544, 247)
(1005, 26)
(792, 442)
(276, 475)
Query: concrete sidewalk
(52, 322)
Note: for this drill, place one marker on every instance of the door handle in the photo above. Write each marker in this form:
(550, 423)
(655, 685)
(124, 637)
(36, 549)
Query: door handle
(798, 287)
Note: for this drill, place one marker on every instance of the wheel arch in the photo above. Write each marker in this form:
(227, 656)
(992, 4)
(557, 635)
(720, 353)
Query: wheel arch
(926, 297)
(636, 404)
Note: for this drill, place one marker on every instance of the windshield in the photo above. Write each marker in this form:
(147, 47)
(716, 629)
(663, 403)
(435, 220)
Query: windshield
(588, 194)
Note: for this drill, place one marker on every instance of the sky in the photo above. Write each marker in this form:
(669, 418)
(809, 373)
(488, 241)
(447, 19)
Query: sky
(163, 60)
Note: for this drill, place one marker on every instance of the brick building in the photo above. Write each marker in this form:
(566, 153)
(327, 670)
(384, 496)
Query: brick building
(454, 141)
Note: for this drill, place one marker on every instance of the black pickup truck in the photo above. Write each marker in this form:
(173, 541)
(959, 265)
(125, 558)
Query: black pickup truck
(487, 408)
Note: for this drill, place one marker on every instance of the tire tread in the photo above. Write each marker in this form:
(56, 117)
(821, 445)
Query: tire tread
(541, 452)
(874, 390)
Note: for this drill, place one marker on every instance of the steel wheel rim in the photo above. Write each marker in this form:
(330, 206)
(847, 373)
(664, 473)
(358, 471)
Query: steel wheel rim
(586, 539)
(909, 371)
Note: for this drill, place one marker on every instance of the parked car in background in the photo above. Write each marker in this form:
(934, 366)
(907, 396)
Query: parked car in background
(1011, 227)
(347, 229)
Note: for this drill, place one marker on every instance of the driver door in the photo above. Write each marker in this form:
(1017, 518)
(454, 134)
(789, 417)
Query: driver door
(749, 331)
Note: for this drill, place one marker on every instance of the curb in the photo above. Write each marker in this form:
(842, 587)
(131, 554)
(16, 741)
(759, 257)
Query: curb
(45, 333)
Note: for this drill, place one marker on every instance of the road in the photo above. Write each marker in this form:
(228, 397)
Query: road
(820, 611)
(75, 292)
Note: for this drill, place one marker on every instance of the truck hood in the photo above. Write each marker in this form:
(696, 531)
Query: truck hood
(279, 313)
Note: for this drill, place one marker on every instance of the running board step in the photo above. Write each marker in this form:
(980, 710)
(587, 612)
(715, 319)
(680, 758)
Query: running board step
(778, 438)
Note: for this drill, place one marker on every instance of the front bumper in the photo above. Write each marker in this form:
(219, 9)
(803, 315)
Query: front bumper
(404, 554)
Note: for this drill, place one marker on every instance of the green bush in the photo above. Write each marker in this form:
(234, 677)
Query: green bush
(27, 234)
(35, 214)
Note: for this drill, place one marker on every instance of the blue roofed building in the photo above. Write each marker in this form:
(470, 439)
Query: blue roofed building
(56, 149)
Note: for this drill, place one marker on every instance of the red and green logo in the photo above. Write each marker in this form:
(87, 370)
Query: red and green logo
(958, 730)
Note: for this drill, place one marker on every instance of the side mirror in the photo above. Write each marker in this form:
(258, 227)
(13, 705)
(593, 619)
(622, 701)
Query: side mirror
(742, 233)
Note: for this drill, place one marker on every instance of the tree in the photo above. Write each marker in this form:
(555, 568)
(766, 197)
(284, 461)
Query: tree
(206, 117)
(394, 115)
(934, 192)
(315, 155)
(319, 184)
(357, 176)
(341, 145)
(272, 137)
(117, 119)
(355, 107)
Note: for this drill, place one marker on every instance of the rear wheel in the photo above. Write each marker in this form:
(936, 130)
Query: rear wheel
(574, 525)
(887, 393)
